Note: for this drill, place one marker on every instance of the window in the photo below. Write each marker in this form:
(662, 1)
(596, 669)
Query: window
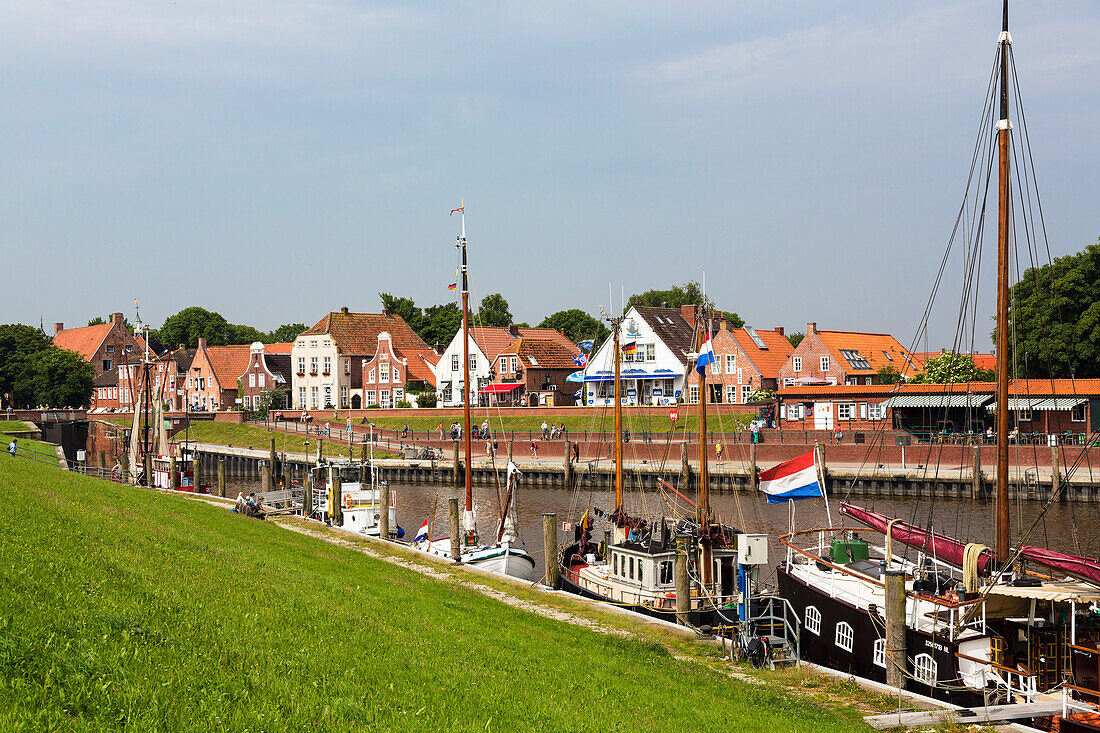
(813, 620)
(796, 363)
(343, 396)
(251, 379)
(640, 578)
(473, 362)
(746, 392)
(715, 367)
(731, 363)
(1077, 414)
(302, 397)
(106, 365)
(880, 653)
(370, 376)
(876, 412)
(301, 365)
(731, 393)
(454, 362)
(869, 380)
(383, 372)
(314, 397)
(924, 669)
(327, 343)
(129, 348)
(844, 411)
(328, 364)
(651, 352)
(262, 379)
(190, 383)
(824, 363)
(503, 364)
(300, 343)
(313, 343)
(693, 394)
(398, 395)
(513, 362)
(665, 571)
(844, 636)
(615, 564)
(384, 398)
(347, 366)
(313, 365)
(328, 395)
(862, 410)
(246, 401)
(110, 348)
(370, 400)
(1023, 414)
(630, 562)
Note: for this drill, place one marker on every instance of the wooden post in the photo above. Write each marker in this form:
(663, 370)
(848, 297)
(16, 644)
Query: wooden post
(685, 468)
(101, 459)
(307, 494)
(265, 479)
(149, 470)
(895, 628)
(320, 450)
(384, 512)
(456, 532)
(754, 477)
(455, 472)
(511, 445)
(550, 548)
(976, 473)
(196, 473)
(124, 464)
(336, 510)
(568, 463)
(221, 479)
(1055, 479)
(271, 456)
(173, 475)
(683, 589)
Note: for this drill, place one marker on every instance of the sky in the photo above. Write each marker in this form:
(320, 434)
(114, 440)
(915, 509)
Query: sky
(276, 159)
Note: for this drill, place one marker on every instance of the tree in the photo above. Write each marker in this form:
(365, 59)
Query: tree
(888, 374)
(16, 343)
(54, 377)
(950, 368)
(286, 333)
(443, 322)
(578, 325)
(795, 338)
(239, 334)
(406, 308)
(1056, 315)
(187, 326)
(494, 312)
(97, 321)
(687, 294)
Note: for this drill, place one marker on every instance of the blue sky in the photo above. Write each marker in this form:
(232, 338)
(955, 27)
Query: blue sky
(272, 160)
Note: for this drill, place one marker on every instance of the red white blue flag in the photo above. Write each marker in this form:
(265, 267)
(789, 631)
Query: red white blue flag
(422, 533)
(794, 479)
(706, 356)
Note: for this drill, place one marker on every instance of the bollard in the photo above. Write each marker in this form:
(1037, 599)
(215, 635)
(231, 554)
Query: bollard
(265, 479)
(196, 473)
(221, 479)
(550, 548)
(683, 591)
(455, 471)
(895, 628)
(976, 474)
(336, 508)
(456, 532)
(384, 512)
(173, 475)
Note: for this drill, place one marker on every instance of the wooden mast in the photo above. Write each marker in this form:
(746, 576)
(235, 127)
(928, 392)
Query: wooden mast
(703, 331)
(1003, 212)
(471, 530)
(615, 324)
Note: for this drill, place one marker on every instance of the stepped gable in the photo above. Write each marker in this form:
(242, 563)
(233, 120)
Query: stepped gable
(767, 361)
(871, 346)
(670, 325)
(357, 333)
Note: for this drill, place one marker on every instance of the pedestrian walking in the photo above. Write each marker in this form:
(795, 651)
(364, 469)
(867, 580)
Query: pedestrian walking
(838, 434)
(545, 430)
(718, 450)
(12, 447)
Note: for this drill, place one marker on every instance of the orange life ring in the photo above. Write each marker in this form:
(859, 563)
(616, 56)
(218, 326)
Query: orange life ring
(347, 501)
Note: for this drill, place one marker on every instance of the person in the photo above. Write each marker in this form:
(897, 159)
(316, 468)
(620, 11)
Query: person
(561, 430)
(718, 450)
(545, 429)
(239, 507)
(576, 452)
(250, 505)
(12, 447)
(489, 448)
(405, 431)
(838, 434)
(260, 511)
(485, 428)
(303, 418)
(535, 449)
(755, 431)
(440, 429)
(989, 434)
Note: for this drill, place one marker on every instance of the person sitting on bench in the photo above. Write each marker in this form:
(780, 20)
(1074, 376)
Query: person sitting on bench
(239, 507)
(260, 511)
(250, 505)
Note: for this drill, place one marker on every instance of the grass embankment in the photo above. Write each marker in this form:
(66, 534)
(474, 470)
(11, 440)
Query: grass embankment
(159, 612)
(45, 451)
(9, 426)
(604, 420)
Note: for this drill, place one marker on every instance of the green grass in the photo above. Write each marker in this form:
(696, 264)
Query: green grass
(128, 609)
(7, 426)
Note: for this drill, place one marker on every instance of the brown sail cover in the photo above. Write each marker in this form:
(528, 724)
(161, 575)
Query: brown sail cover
(935, 544)
(951, 550)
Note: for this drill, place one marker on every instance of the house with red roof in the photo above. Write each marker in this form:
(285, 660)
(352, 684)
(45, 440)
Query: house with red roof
(390, 371)
(104, 346)
(532, 371)
(266, 381)
(845, 357)
(215, 374)
(747, 360)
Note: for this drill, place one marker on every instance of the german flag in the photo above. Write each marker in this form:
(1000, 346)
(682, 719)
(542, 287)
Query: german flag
(630, 349)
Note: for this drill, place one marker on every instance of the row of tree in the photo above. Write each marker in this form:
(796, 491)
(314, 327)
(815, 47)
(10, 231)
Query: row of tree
(34, 372)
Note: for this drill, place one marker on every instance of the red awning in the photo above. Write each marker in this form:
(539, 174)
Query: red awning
(498, 388)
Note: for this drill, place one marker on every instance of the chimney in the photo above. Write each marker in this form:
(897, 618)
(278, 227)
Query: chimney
(562, 332)
(779, 330)
(344, 310)
(811, 327)
(385, 311)
(513, 330)
(58, 328)
(117, 318)
(202, 343)
(688, 312)
(722, 324)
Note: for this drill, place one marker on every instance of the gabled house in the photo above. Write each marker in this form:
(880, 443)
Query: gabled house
(390, 371)
(214, 376)
(265, 383)
(327, 359)
(747, 360)
(484, 347)
(104, 346)
(845, 357)
(533, 371)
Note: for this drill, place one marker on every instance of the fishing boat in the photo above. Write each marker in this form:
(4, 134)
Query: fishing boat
(361, 503)
(982, 625)
(634, 567)
(505, 555)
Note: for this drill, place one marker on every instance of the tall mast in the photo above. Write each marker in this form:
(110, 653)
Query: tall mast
(615, 324)
(1003, 213)
(704, 473)
(471, 531)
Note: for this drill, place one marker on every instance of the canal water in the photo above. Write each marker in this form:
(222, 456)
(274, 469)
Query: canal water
(1066, 527)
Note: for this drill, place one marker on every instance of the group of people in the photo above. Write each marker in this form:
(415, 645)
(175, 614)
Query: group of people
(551, 432)
(253, 506)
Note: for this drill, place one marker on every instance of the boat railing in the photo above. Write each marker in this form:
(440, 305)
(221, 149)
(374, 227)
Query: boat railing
(660, 602)
(774, 617)
(1015, 682)
(1072, 703)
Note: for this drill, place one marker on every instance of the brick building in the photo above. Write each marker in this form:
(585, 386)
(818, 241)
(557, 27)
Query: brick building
(104, 346)
(265, 383)
(532, 371)
(746, 360)
(845, 357)
(389, 371)
(212, 381)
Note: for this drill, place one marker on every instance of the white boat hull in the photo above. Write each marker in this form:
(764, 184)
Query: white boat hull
(502, 559)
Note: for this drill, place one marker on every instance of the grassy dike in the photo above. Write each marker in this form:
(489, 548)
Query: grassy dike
(122, 608)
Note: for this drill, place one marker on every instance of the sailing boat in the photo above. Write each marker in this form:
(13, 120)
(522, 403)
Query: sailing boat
(506, 555)
(979, 626)
(634, 567)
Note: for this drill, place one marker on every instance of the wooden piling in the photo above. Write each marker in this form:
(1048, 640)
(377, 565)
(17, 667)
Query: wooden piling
(173, 475)
(683, 589)
(456, 531)
(336, 508)
(124, 464)
(550, 548)
(320, 450)
(221, 479)
(895, 628)
(196, 473)
(685, 469)
(1055, 479)
(265, 479)
(454, 462)
(976, 473)
(307, 494)
(384, 511)
(511, 447)
(568, 463)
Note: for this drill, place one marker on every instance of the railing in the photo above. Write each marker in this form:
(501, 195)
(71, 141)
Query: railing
(776, 613)
(1014, 682)
(1071, 704)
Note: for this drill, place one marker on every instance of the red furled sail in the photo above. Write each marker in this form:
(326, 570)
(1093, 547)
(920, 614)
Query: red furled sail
(1082, 567)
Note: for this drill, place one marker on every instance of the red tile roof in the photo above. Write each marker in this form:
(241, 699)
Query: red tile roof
(871, 346)
(357, 333)
(278, 348)
(228, 363)
(547, 353)
(887, 389)
(417, 364)
(84, 341)
(1055, 387)
(767, 361)
(492, 341)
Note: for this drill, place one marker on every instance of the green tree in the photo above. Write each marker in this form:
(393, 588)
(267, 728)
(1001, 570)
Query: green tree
(888, 375)
(443, 322)
(1056, 314)
(239, 334)
(795, 338)
(687, 294)
(97, 321)
(950, 368)
(16, 343)
(54, 377)
(494, 312)
(578, 325)
(409, 311)
(286, 333)
(187, 326)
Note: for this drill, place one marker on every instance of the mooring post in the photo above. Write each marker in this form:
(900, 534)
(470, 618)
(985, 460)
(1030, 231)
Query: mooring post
(265, 478)
(454, 471)
(101, 459)
(149, 470)
(1055, 479)
(124, 464)
(456, 532)
(196, 473)
(568, 463)
(683, 591)
(320, 450)
(384, 511)
(511, 445)
(685, 468)
(173, 476)
(976, 473)
(895, 628)
(336, 510)
(307, 494)
(754, 476)
(221, 479)
(550, 548)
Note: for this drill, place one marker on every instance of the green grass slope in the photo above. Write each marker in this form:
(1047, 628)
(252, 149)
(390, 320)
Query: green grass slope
(122, 608)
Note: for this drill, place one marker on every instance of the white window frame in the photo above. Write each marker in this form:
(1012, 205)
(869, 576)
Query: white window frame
(261, 381)
(731, 393)
(844, 411)
(746, 392)
(302, 397)
(395, 376)
(370, 376)
(924, 669)
(301, 365)
(715, 367)
(455, 363)
(313, 365)
(503, 364)
(731, 363)
(844, 636)
(343, 395)
(383, 372)
(328, 365)
(879, 656)
(347, 366)
(824, 364)
(370, 399)
(862, 410)
(513, 363)
(314, 396)
(1073, 411)
(1023, 414)
(796, 363)
(693, 394)
(651, 352)
(252, 379)
(813, 620)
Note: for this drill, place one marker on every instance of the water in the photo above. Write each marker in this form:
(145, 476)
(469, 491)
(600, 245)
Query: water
(965, 519)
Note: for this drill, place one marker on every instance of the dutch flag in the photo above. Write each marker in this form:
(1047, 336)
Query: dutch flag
(706, 356)
(795, 479)
(422, 533)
